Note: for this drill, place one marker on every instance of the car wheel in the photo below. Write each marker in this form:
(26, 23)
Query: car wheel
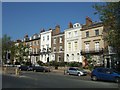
(94, 78)
(117, 80)
(79, 74)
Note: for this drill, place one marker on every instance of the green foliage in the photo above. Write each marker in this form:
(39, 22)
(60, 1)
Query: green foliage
(21, 52)
(110, 16)
(7, 45)
(17, 63)
(28, 64)
(90, 67)
(75, 64)
(62, 64)
(40, 63)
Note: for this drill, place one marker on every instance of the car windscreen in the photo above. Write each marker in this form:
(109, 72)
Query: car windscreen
(112, 70)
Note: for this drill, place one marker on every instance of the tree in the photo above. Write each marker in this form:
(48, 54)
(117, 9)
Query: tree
(7, 45)
(21, 52)
(110, 16)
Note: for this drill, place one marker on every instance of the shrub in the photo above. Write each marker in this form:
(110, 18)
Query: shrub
(75, 64)
(28, 63)
(17, 63)
(61, 63)
(40, 63)
(90, 67)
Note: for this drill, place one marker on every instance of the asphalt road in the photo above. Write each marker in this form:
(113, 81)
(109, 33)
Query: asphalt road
(51, 80)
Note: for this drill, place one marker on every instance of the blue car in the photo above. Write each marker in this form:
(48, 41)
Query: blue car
(105, 74)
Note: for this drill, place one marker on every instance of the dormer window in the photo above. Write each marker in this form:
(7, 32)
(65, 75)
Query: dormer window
(74, 25)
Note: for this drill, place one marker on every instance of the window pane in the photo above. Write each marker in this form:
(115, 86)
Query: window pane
(54, 40)
(97, 46)
(87, 34)
(97, 32)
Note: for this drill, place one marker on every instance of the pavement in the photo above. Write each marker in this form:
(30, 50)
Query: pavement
(59, 71)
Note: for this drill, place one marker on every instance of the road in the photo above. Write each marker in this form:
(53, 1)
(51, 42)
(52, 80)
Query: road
(51, 80)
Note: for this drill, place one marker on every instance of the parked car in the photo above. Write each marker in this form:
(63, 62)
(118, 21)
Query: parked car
(23, 68)
(76, 71)
(40, 69)
(30, 68)
(105, 74)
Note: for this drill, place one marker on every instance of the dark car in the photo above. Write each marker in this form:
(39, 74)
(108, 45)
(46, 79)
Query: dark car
(105, 74)
(76, 71)
(40, 69)
(30, 68)
(23, 68)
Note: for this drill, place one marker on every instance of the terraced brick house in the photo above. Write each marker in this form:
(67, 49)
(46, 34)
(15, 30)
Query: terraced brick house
(58, 44)
(34, 50)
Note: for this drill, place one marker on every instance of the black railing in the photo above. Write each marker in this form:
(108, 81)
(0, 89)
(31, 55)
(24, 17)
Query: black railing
(45, 51)
(92, 51)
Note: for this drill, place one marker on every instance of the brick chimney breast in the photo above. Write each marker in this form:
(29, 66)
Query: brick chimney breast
(88, 21)
(57, 29)
(70, 25)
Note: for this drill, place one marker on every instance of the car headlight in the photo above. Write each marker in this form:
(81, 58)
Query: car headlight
(81, 73)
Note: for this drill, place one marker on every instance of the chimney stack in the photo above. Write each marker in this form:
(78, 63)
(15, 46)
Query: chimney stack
(57, 29)
(88, 21)
(70, 25)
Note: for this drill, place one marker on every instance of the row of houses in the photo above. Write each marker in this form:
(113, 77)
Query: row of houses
(76, 44)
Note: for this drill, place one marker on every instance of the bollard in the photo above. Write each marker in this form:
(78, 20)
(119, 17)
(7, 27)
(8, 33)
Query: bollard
(17, 71)
(4, 70)
(64, 72)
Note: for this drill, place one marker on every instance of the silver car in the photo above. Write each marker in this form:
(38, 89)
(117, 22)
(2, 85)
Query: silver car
(76, 71)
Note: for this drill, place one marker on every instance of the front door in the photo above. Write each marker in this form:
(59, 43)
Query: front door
(47, 59)
(108, 63)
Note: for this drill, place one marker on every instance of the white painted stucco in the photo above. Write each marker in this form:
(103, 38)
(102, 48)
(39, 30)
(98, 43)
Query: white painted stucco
(74, 54)
(44, 44)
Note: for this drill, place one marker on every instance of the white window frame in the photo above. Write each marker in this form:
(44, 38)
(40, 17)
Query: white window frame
(54, 40)
(47, 45)
(75, 47)
(54, 49)
(60, 39)
(97, 46)
(87, 47)
(76, 33)
(69, 34)
(60, 48)
(48, 37)
(43, 38)
(96, 32)
(69, 45)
